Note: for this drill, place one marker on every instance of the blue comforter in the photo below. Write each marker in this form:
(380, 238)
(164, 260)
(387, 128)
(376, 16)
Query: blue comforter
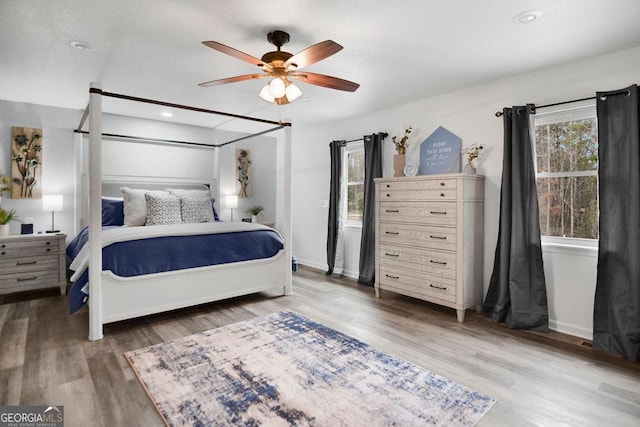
(160, 254)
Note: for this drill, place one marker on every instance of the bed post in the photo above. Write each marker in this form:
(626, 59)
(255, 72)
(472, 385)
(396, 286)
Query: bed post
(95, 212)
(286, 201)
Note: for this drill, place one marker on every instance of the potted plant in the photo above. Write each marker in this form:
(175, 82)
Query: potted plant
(255, 211)
(5, 218)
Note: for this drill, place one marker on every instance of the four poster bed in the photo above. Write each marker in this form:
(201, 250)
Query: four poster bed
(114, 296)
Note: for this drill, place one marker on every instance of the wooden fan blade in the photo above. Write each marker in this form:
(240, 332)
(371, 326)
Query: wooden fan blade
(233, 79)
(313, 54)
(235, 53)
(325, 81)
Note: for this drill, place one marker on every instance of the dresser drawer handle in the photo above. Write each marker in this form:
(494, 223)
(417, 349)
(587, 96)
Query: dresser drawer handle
(441, 194)
(26, 279)
(437, 213)
(442, 288)
(388, 186)
(442, 184)
(392, 277)
(48, 243)
(26, 263)
(437, 262)
(48, 249)
(439, 237)
(393, 255)
(3, 246)
(388, 195)
(3, 253)
(393, 210)
(393, 233)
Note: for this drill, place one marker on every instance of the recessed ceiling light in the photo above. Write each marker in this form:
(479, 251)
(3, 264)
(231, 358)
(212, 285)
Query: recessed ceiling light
(166, 114)
(80, 45)
(527, 16)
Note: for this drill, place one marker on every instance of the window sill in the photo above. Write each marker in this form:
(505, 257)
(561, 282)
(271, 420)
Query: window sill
(582, 247)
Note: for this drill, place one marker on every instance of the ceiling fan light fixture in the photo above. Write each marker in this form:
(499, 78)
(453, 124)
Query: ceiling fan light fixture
(293, 92)
(266, 94)
(277, 87)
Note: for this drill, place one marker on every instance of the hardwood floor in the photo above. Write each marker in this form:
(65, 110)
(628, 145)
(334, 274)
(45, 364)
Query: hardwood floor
(538, 379)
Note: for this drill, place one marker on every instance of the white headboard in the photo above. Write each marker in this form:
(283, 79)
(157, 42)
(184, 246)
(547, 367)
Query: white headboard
(111, 188)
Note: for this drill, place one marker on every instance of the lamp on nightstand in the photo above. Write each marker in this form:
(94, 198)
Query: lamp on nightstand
(231, 201)
(53, 203)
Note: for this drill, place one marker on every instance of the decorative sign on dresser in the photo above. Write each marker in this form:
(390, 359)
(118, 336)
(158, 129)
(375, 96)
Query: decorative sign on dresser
(440, 153)
(429, 238)
(32, 261)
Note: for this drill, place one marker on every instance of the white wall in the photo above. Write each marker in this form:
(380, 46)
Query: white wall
(468, 113)
(60, 174)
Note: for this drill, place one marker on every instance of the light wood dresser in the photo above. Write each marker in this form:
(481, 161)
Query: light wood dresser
(32, 261)
(429, 238)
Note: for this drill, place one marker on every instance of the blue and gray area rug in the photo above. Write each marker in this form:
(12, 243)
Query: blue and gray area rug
(285, 369)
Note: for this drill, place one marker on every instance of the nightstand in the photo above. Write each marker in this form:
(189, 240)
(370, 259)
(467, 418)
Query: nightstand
(32, 261)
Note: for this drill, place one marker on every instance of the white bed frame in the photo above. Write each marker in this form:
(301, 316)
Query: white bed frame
(113, 298)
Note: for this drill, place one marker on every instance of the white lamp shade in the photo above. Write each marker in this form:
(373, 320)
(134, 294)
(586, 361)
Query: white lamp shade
(231, 201)
(293, 92)
(277, 88)
(266, 95)
(52, 202)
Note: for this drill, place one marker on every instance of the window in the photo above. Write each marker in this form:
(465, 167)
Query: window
(566, 156)
(353, 174)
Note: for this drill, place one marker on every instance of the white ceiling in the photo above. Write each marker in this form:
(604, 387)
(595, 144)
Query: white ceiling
(398, 51)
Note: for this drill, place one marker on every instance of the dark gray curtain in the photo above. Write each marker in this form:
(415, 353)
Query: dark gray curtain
(372, 169)
(335, 148)
(517, 292)
(616, 316)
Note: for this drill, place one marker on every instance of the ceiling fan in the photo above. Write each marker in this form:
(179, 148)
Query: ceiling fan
(281, 66)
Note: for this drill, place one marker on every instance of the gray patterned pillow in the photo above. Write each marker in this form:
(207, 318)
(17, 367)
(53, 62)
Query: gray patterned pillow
(196, 209)
(162, 209)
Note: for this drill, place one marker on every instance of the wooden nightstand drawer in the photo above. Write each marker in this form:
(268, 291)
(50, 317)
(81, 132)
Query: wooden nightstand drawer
(30, 280)
(27, 248)
(29, 263)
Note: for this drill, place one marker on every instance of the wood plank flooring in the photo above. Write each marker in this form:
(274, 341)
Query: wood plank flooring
(538, 379)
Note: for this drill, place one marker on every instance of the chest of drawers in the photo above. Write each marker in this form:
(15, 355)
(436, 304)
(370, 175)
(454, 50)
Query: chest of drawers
(30, 262)
(429, 238)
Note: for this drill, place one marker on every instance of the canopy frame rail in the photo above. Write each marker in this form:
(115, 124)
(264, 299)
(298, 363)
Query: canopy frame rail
(279, 124)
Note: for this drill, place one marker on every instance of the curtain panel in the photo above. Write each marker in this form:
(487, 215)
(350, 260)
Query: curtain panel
(333, 225)
(616, 317)
(372, 169)
(517, 292)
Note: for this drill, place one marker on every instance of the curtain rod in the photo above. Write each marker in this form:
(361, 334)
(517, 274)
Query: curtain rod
(384, 135)
(535, 107)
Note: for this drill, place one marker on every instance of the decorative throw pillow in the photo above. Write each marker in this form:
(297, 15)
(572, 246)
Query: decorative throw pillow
(135, 205)
(112, 211)
(162, 209)
(196, 209)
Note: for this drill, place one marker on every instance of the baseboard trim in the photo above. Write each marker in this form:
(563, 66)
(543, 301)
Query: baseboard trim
(569, 329)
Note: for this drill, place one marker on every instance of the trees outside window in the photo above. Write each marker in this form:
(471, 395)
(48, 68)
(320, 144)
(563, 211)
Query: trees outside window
(354, 183)
(566, 154)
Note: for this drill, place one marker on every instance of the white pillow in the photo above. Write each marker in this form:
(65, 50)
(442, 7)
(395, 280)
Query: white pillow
(135, 205)
(189, 193)
(196, 209)
(162, 209)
